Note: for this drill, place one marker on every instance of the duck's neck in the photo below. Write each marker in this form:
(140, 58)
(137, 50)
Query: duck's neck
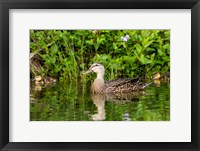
(99, 86)
(100, 75)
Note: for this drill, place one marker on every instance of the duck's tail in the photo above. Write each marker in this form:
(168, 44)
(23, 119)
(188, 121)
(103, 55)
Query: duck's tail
(146, 85)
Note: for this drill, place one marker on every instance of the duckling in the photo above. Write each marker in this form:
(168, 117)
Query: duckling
(38, 80)
(158, 76)
(38, 87)
(156, 79)
(45, 80)
(166, 76)
(49, 80)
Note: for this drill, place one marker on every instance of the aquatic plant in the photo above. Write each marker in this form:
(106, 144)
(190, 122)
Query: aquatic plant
(64, 54)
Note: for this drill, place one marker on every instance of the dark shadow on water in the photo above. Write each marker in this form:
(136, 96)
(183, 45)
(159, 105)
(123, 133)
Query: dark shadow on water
(73, 102)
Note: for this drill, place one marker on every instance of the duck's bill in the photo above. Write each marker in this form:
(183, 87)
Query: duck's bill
(88, 71)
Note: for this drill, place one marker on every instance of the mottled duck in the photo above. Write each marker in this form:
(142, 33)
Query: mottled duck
(122, 85)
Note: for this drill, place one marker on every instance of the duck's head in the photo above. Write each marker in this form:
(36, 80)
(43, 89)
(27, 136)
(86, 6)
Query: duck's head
(95, 67)
(156, 76)
(37, 78)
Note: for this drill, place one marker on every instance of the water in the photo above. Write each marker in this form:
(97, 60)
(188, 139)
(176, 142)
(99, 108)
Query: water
(74, 102)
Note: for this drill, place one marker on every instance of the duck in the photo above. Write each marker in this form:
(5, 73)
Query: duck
(158, 76)
(49, 80)
(38, 80)
(166, 76)
(121, 85)
(45, 80)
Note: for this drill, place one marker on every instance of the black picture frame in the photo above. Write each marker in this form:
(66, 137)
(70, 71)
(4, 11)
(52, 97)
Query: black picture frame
(5, 5)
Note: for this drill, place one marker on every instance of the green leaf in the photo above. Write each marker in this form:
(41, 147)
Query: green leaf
(160, 52)
(54, 48)
(150, 49)
(145, 33)
(144, 60)
(96, 46)
(114, 46)
(146, 43)
(138, 48)
(166, 46)
(152, 56)
(90, 42)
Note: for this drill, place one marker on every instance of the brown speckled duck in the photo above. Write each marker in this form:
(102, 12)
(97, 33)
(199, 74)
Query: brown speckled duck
(122, 85)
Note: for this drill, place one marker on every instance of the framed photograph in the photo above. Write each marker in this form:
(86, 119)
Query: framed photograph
(97, 75)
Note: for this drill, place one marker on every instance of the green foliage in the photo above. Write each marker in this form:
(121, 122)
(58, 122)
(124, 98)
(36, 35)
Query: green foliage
(66, 53)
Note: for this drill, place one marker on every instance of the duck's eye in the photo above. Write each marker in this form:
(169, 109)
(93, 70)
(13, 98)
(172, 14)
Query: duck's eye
(95, 65)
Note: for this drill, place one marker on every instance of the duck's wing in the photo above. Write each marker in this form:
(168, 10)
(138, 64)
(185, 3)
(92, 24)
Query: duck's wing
(121, 81)
(125, 85)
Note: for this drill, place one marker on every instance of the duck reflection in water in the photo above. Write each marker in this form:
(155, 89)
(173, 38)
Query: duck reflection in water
(100, 99)
(99, 102)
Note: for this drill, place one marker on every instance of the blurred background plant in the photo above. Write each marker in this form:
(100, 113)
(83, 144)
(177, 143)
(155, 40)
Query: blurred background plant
(65, 54)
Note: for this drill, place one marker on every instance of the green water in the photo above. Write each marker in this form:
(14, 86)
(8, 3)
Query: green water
(74, 102)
